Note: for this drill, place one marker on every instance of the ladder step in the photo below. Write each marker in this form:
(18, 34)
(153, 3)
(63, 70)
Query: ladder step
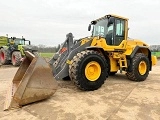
(123, 63)
(123, 66)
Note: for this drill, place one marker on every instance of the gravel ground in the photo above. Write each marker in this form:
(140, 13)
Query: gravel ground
(117, 99)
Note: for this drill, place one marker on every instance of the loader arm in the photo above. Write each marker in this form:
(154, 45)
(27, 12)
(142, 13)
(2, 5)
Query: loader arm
(60, 61)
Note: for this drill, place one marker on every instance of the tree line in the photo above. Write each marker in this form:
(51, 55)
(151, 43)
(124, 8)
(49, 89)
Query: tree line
(46, 49)
(155, 48)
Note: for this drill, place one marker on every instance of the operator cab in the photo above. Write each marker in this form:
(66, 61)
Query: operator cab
(18, 41)
(113, 28)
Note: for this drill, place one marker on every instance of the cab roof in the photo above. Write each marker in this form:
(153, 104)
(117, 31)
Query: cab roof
(111, 15)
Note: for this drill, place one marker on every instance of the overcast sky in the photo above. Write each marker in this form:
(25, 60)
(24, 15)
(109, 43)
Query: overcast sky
(48, 21)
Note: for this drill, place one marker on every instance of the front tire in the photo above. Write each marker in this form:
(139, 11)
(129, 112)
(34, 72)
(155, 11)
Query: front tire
(88, 70)
(16, 58)
(140, 68)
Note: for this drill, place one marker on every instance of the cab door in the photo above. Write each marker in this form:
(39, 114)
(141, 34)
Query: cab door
(119, 31)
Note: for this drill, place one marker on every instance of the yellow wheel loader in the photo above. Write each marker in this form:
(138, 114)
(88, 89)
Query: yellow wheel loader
(87, 62)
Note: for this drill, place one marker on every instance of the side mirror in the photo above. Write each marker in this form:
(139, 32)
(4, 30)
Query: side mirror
(110, 21)
(89, 27)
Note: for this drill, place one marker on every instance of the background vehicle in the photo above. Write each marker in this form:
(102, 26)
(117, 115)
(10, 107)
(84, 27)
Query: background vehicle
(87, 61)
(12, 50)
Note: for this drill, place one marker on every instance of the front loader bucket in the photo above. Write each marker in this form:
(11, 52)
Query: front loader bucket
(32, 82)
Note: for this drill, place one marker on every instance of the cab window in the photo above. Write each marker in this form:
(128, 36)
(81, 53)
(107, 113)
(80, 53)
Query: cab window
(120, 31)
(120, 28)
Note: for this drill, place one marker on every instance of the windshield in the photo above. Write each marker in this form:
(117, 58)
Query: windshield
(100, 28)
(18, 41)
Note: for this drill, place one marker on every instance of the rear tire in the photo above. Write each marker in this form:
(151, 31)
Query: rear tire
(4, 57)
(16, 58)
(139, 73)
(77, 70)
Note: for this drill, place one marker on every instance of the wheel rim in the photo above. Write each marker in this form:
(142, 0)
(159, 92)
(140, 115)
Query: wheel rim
(2, 56)
(92, 71)
(142, 67)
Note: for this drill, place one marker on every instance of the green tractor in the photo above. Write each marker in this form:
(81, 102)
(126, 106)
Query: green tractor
(12, 50)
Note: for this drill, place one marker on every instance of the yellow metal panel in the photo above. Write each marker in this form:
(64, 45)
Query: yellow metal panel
(131, 44)
(101, 42)
(116, 55)
(126, 30)
(154, 60)
(113, 64)
(83, 41)
(117, 16)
